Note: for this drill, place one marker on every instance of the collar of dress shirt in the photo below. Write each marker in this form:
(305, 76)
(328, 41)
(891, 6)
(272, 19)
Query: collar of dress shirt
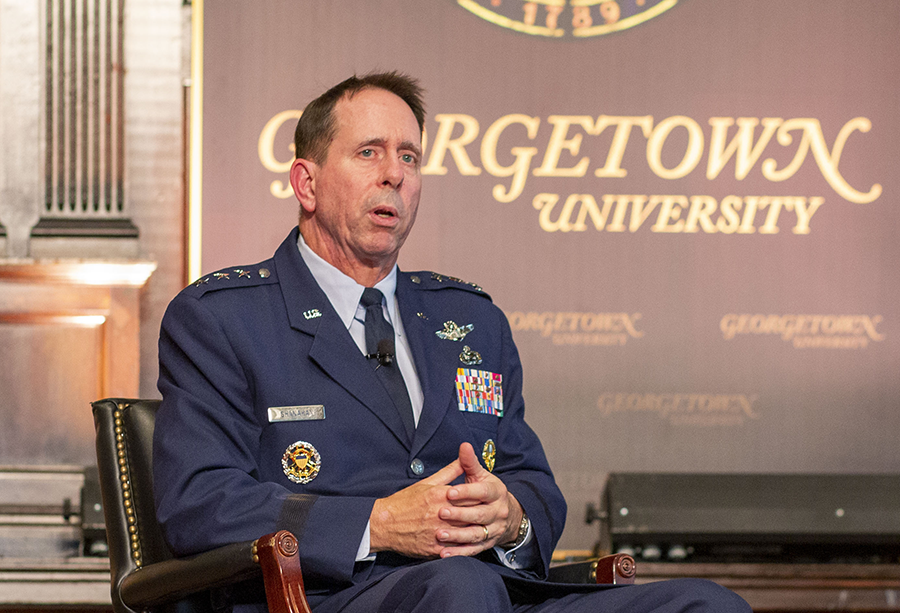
(342, 291)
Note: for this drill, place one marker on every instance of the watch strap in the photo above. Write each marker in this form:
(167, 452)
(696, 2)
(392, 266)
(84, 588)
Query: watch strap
(523, 530)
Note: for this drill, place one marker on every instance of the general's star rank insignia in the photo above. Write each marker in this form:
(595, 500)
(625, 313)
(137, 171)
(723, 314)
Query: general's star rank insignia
(301, 462)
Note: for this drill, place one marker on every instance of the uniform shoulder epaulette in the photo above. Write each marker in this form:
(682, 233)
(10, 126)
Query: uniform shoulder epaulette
(433, 280)
(234, 277)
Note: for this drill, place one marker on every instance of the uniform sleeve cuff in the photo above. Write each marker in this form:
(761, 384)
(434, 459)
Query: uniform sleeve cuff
(363, 554)
(520, 556)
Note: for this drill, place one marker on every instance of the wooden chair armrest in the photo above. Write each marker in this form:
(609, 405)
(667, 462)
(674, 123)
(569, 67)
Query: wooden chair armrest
(278, 556)
(615, 569)
(273, 555)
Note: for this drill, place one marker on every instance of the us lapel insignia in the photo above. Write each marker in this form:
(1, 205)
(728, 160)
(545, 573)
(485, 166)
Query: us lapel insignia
(469, 356)
(301, 462)
(489, 454)
(452, 332)
(312, 313)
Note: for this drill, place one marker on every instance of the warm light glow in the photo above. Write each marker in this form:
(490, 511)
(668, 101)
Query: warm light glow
(78, 272)
(90, 321)
(57, 319)
(111, 273)
(195, 207)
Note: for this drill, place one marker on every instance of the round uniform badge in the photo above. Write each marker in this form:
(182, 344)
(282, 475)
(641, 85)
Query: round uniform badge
(301, 462)
(488, 454)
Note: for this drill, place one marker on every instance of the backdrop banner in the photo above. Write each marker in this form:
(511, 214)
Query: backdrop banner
(687, 209)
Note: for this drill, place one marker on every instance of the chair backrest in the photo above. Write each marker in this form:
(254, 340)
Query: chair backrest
(124, 441)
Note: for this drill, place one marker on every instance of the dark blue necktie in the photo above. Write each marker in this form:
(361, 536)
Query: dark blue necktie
(382, 355)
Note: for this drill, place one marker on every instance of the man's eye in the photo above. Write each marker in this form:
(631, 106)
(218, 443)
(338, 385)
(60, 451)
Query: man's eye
(409, 159)
(367, 153)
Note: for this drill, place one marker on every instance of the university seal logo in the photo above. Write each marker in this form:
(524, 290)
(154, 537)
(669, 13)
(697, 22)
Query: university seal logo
(567, 18)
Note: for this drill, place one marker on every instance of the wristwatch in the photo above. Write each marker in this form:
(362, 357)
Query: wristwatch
(523, 530)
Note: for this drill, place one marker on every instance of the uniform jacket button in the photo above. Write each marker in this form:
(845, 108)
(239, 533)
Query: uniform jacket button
(417, 466)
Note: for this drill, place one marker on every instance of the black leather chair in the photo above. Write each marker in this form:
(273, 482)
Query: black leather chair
(146, 576)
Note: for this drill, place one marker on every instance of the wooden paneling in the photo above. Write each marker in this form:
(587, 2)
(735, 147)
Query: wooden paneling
(69, 334)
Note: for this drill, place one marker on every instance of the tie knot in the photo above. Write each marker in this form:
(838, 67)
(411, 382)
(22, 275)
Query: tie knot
(371, 297)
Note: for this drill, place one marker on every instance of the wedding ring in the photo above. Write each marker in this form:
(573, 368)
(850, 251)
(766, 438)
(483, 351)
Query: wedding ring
(486, 533)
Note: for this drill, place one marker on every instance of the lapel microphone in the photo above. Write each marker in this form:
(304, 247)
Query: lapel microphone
(384, 352)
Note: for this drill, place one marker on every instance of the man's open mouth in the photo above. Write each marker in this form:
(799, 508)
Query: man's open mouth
(385, 213)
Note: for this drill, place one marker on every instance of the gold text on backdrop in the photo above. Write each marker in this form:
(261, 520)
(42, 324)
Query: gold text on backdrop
(568, 134)
(806, 331)
(694, 409)
(573, 328)
(748, 141)
(676, 214)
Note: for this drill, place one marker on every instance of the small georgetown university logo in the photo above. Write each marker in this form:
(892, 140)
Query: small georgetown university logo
(567, 18)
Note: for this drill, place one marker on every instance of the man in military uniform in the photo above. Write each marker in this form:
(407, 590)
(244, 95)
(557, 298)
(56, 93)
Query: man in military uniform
(377, 414)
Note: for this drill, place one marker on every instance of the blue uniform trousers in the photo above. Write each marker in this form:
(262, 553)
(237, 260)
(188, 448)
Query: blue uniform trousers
(469, 585)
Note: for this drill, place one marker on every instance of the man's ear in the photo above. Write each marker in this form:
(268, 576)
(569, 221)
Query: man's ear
(303, 181)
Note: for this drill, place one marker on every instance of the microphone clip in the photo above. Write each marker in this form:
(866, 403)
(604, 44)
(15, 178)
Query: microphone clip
(384, 353)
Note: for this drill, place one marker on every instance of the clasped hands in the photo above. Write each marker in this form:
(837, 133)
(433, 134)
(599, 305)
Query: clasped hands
(432, 518)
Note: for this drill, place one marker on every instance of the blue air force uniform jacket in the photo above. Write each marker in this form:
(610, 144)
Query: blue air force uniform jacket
(244, 340)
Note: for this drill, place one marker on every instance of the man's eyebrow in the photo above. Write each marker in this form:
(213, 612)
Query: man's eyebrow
(412, 147)
(372, 141)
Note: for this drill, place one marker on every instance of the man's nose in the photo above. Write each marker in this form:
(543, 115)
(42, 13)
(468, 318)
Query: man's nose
(392, 172)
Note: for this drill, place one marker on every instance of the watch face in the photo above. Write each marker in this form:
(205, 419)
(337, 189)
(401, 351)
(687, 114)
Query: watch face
(567, 18)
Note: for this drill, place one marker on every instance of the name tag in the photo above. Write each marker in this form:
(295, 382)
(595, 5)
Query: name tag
(306, 412)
